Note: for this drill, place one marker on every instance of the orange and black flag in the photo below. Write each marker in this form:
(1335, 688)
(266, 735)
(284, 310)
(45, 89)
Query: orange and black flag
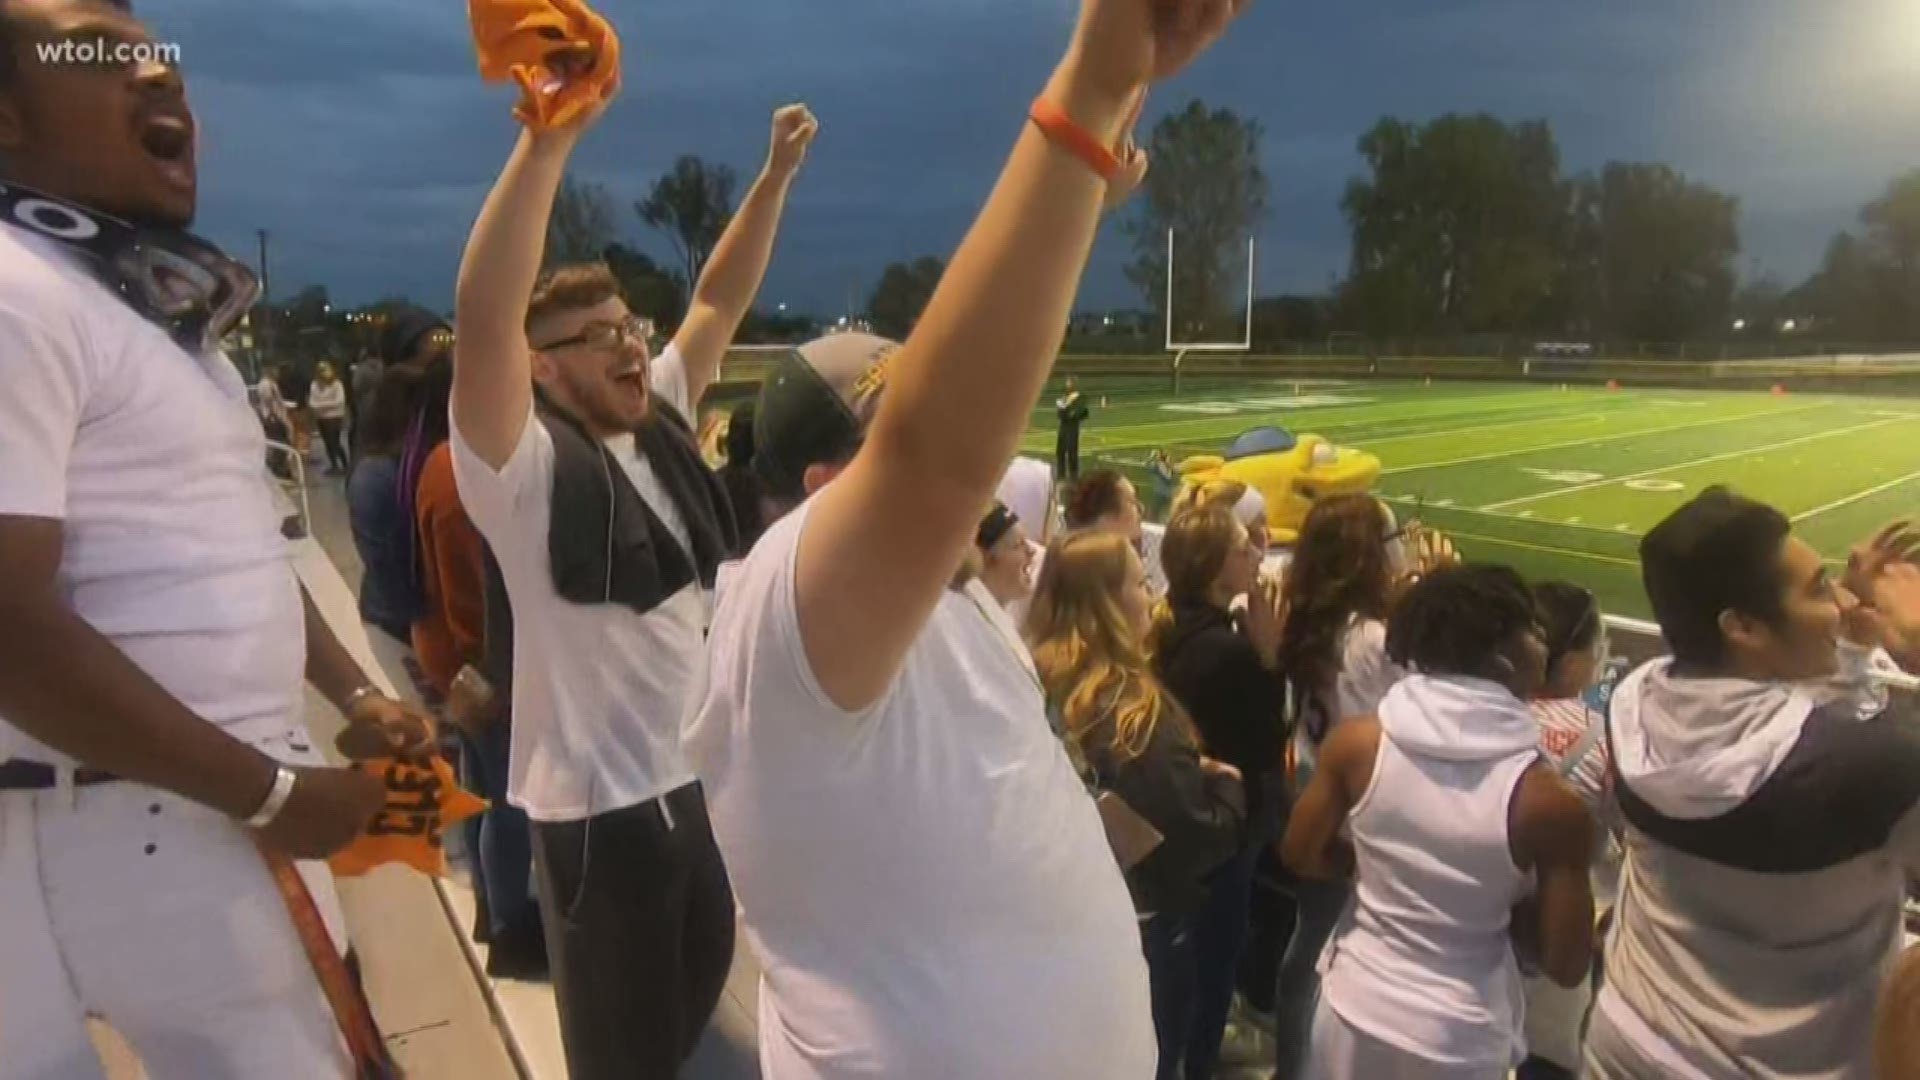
(423, 799)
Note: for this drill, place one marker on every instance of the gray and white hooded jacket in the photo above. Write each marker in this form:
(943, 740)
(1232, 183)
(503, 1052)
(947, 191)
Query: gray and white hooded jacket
(1771, 832)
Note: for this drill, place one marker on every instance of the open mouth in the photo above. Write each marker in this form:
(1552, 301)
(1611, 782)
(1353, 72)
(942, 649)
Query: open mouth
(631, 378)
(167, 138)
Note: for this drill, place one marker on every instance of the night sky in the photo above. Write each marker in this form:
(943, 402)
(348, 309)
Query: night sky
(359, 133)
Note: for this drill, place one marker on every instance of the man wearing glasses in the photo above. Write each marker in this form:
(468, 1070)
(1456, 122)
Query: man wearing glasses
(574, 454)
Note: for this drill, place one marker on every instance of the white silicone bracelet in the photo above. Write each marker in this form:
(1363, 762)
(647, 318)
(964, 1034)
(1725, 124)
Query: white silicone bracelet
(276, 800)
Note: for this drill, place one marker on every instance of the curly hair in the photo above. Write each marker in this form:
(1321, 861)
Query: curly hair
(1456, 620)
(1093, 665)
(1339, 570)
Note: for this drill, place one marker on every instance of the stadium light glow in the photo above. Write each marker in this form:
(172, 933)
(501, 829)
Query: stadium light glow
(1739, 324)
(1788, 326)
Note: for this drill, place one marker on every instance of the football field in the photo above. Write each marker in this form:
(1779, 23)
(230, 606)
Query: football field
(1556, 482)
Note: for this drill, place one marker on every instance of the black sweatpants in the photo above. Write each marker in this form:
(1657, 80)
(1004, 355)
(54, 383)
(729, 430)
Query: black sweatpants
(639, 925)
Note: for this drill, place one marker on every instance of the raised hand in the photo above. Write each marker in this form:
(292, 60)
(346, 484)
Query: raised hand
(1123, 45)
(794, 127)
(1266, 619)
(573, 63)
(1894, 543)
(1896, 598)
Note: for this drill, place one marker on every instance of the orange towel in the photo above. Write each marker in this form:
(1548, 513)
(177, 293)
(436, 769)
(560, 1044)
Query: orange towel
(422, 801)
(529, 41)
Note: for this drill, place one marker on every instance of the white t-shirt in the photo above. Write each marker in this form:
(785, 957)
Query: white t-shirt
(598, 689)
(1366, 672)
(926, 882)
(153, 462)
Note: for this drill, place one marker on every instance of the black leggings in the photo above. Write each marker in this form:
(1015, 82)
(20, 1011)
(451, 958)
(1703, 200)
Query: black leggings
(336, 452)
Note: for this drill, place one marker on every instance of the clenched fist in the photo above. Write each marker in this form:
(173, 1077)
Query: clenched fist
(794, 127)
(1123, 45)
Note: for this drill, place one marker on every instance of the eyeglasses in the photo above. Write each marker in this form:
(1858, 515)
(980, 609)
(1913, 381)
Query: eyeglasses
(635, 329)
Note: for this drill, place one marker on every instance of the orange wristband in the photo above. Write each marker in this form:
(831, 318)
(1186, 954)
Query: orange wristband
(1062, 131)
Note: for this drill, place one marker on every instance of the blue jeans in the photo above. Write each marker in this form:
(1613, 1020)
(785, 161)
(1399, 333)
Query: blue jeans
(1318, 908)
(1167, 941)
(499, 839)
(1220, 936)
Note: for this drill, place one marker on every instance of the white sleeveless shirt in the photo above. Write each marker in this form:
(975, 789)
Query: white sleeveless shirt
(1422, 960)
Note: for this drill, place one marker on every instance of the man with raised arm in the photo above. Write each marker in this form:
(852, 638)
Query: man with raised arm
(922, 875)
(153, 636)
(574, 455)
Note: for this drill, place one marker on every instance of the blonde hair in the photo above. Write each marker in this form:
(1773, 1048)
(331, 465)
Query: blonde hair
(1201, 494)
(1091, 662)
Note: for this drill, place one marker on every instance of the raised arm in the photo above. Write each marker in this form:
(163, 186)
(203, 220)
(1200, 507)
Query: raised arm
(492, 362)
(881, 543)
(739, 261)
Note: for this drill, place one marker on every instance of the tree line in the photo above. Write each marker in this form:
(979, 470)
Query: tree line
(1468, 225)
(1460, 225)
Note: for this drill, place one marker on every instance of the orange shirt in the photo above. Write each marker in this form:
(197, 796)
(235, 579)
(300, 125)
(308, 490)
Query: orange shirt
(452, 554)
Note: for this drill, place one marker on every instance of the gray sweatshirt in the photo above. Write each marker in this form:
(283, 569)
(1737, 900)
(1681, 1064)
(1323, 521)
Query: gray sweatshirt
(1771, 831)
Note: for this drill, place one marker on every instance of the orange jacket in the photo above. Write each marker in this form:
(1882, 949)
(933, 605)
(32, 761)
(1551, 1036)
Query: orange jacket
(453, 556)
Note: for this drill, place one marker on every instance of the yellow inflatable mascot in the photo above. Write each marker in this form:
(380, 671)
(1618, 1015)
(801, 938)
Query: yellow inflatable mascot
(1290, 473)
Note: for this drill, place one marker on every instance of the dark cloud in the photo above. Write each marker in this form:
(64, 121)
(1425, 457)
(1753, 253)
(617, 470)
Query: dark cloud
(359, 133)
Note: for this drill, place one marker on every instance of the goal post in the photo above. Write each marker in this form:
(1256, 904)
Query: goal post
(1180, 349)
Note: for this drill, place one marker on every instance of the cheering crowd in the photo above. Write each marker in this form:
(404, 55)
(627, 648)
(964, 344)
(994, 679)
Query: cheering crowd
(988, 790)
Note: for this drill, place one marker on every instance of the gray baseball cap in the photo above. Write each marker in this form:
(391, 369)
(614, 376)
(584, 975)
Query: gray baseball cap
(816, 405)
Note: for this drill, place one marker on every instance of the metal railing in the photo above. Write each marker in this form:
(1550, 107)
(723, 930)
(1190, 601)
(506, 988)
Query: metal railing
(299, 482)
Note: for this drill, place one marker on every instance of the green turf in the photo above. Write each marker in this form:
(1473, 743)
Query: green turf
(1557, 482)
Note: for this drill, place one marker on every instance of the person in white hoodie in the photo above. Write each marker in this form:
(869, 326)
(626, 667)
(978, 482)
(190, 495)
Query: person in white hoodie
(1772, 802)
(1465, 846)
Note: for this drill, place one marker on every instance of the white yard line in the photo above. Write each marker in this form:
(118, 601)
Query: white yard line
(1727, 456)
(1588, 419)
(1858, 495)
(1602, 439)
(1306, 416)
(1443, 504)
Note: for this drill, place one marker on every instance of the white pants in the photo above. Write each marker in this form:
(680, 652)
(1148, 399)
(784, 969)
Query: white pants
(1339, 1051)
(159, 916)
